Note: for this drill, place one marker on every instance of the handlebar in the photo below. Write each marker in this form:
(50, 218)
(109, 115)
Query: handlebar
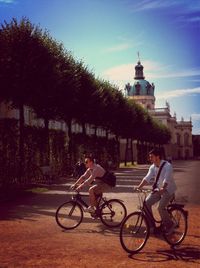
(145, 191)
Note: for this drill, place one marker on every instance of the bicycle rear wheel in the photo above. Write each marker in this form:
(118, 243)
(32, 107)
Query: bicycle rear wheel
(134, 232)
(69, 215)
(112, 213)
(179, 217)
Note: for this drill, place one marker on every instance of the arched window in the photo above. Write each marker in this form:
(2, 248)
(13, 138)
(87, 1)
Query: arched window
(148, 107)
(137, 86)
(186, 139)
(178, 138)
(187, 154)
(148, 87)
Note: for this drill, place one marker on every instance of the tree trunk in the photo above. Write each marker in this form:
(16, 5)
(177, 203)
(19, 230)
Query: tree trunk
(21, 142)
(129, 151)
(47, 149)
(70, 142)
(83, 129)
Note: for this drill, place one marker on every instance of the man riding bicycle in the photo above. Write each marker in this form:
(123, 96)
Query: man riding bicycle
(92, 174)
(163, 189)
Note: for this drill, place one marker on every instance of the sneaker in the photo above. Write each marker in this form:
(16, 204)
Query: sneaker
(171, 229)
(90, 209)
(159, 230)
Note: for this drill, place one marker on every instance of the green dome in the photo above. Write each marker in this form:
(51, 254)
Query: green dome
(141, 87)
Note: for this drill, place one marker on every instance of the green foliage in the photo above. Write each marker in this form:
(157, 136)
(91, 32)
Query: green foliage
(37, 71)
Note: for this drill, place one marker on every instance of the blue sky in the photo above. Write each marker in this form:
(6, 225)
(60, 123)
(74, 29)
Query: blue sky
(107, 34)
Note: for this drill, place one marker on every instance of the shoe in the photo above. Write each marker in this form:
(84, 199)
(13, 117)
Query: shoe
(158, 230)
(90, 209)
(171, 229)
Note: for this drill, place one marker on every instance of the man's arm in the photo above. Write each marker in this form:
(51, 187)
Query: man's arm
(80, 180)
(143, 183)
(147, 178)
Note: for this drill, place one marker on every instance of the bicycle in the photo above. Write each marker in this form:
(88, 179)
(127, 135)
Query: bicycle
(69, 215)
(135, 229)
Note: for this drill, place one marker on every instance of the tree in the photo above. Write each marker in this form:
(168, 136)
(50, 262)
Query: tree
(27, 68)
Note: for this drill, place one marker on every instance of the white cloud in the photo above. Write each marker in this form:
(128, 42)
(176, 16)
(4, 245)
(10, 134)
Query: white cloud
(194, 19)
(7, 1)
(178, 93)
(178, 5)
(124, 43)
(152, 4)
(152, 70)
(127, 71)
(195, 117)
(121, 72)
(184, 73)
(119, 47)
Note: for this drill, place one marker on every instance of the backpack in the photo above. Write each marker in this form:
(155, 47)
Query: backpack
(109, 178)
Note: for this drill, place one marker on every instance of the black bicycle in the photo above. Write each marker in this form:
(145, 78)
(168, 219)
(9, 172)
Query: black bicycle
(111, 212)
(135, 229)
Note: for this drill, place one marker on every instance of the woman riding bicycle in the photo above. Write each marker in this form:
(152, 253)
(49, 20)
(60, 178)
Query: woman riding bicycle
(93, 174)
(163, 189)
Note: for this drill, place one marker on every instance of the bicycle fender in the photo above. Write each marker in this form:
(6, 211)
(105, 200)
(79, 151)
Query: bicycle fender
(115, 199)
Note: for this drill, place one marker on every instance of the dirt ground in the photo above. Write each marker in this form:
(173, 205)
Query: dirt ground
(30, 237)
(36, 241)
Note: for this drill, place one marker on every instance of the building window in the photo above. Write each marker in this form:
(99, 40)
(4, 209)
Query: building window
(187, 154)
(148, 87)
(148, 107)
(186, 139)
(137, 87)
(178, 137)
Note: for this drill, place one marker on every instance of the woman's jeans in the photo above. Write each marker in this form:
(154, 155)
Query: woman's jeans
(164, 200)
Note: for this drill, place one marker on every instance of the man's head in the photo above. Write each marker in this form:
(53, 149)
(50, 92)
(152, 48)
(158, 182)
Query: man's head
(89, 161)
(155, 156)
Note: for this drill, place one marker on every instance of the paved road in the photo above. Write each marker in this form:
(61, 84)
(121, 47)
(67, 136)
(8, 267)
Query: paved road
(31, 238)
(188, 181)
(186, 175)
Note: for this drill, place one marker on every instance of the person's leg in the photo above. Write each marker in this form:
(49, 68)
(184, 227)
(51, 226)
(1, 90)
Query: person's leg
(92, 196)
(151, 199)
(164, 201)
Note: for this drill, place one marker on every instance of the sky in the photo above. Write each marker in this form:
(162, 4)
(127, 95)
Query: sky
(108, 34)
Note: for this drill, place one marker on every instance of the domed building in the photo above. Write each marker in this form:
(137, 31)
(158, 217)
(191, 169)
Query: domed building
(142, 92)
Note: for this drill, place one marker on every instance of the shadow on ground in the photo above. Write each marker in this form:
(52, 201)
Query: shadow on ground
(185, 254)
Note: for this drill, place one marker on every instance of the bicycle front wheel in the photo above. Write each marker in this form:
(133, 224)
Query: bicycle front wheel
(69, 215)
(179, 217)
(134, 232)
(112, 213)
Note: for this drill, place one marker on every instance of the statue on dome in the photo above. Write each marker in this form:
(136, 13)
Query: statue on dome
(127, 88)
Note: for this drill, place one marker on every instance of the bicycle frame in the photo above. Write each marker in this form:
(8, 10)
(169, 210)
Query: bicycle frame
(78, 198)
(143, 207)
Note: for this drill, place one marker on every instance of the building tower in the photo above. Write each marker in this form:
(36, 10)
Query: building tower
(141, 91)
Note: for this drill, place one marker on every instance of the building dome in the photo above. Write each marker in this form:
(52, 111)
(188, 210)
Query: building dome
(141, 86)
(141, 90)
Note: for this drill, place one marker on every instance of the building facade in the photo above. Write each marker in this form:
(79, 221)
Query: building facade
(142, 92)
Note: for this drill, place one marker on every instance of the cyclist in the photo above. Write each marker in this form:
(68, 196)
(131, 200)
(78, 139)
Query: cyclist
(163, 189)
(93, 173)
